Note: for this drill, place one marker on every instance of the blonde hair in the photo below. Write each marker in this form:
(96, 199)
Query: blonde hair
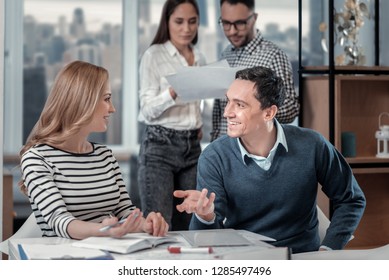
(70, 105)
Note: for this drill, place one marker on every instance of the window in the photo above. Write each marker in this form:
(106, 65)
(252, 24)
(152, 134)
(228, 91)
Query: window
(53, 34)
(42, 35)
(57, 32)
(113, 34)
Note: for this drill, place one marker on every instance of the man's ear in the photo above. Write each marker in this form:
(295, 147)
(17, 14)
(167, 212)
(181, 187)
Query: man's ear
(270, 112)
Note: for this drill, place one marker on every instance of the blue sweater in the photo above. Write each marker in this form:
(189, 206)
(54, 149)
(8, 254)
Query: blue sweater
(281, 202)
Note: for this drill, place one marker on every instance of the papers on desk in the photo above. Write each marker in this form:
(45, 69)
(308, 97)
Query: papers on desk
(129, 243)
(196, 83)
(215, 238)
(59, 252)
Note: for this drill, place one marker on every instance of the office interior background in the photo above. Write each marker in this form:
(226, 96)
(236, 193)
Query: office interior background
(41, 36)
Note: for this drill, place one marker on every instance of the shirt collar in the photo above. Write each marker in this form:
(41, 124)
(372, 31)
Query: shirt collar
(172, 50)
(279, 140)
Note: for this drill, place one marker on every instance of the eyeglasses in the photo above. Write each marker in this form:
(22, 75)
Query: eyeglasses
(239, 24)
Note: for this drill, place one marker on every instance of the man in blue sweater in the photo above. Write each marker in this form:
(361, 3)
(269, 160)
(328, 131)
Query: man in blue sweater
(263, 176)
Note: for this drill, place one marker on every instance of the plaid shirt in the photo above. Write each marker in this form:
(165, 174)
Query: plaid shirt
(258, 52)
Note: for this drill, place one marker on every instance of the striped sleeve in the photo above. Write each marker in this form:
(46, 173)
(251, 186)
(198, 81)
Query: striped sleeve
(44, 196)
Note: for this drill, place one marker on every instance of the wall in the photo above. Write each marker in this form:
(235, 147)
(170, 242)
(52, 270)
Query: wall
(1, 109)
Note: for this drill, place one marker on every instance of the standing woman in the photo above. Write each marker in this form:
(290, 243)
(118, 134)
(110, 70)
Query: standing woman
(171, 142)
(75, 186)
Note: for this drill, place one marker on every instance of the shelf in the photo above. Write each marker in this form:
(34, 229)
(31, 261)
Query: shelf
(336, 99)
(349, 70)
(370, 170)
(358, 102)
(353, 160)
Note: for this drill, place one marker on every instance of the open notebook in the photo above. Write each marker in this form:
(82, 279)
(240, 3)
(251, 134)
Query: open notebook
(126, 244)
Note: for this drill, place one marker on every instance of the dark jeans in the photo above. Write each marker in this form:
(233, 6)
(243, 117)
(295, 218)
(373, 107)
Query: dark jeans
(167, 162)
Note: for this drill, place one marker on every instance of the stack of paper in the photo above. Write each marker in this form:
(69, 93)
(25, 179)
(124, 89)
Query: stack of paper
(196, 83)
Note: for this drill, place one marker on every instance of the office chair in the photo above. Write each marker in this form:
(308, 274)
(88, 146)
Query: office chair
(324, 223)
(29, 229)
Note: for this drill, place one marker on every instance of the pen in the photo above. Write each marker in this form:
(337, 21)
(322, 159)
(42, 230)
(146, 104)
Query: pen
(116, 224)
(180, 250)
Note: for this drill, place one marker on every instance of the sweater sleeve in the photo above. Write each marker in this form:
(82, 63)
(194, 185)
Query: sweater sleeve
(340, 185)
(209, 176)
(43, 193)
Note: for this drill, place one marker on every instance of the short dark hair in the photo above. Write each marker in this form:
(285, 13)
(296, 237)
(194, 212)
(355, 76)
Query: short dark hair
(163, 33)
(270, 89)
(248, 3)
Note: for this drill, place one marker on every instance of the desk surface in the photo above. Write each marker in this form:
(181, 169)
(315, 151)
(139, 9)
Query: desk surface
(380, 253)
(259, 251)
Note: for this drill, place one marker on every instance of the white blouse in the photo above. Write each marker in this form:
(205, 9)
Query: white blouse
(157, 107)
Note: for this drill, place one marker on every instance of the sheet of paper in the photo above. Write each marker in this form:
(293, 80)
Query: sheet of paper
(225, 237)
(196, 83)
(60, 251)
(253, 237)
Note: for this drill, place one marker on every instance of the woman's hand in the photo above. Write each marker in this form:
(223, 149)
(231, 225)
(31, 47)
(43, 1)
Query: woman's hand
(200, 134)
(173, 94)
(132, 223)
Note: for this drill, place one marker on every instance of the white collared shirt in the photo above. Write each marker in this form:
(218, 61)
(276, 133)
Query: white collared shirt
(265, 162)
(157, 107)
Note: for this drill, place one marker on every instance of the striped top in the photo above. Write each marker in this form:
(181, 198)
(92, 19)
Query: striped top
(64, 186)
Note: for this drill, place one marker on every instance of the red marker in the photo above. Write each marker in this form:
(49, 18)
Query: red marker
(190, 250)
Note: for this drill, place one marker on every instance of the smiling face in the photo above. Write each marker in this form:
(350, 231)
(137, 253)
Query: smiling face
(236, 13)
(183, 25)
(245, 118)
(102, 113)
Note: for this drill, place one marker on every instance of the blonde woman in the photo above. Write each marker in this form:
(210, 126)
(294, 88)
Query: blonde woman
(75, 186)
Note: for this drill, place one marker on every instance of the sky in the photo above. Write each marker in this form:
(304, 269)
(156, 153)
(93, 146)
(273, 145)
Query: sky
(110, 10)
(46, 12)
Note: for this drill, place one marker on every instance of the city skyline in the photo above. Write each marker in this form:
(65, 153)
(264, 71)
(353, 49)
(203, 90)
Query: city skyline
(111, 11)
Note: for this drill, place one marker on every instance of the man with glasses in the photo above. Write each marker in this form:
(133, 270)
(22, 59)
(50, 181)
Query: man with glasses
(248, 48)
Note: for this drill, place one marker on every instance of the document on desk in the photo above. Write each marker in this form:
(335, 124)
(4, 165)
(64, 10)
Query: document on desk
(59, 252)
(215, 238)
(129, 243)
(196, 83)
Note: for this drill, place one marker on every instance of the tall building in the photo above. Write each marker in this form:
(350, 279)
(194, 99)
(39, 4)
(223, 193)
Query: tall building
(34, 97)
(30, 45)
(78, 27)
